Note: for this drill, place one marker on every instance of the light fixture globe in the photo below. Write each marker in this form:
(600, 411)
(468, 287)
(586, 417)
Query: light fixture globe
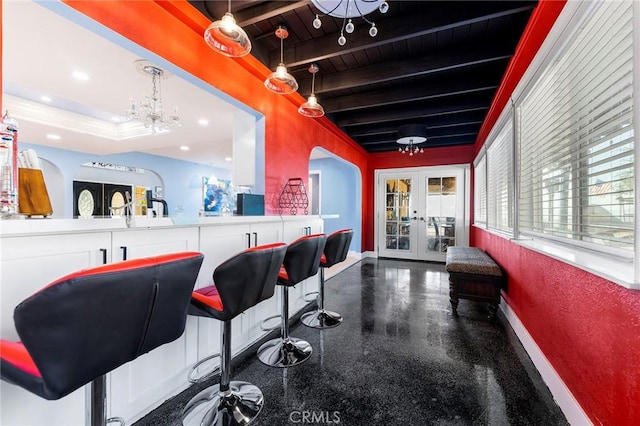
(311, 108)
(227, 38)
(280, 81)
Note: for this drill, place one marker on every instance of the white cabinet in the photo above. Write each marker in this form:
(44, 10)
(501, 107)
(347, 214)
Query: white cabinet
(28, 264)
(138, 385)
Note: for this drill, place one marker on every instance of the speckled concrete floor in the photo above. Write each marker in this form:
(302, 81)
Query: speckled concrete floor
(398, 358)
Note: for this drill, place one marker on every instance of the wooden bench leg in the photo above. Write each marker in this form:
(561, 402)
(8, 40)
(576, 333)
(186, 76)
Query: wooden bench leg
(453, 297)
(493, 309)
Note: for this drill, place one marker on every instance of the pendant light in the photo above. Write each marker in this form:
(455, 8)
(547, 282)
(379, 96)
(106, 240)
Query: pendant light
(411, 136)
(312, 108)
(280, 81)
(226, 37)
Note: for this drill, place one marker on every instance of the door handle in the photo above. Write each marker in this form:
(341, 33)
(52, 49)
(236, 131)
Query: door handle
(124, 252)
(248, 239)
(255, 239)
(414, 218)
(104, 256)
(422, 219)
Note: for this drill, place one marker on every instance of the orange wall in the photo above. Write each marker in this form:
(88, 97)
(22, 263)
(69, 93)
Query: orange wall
(173, 30)
(289, 137)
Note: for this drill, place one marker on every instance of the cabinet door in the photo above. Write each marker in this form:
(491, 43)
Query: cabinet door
(28, 264)
(137, 386)
(261, 233)
(266, 233)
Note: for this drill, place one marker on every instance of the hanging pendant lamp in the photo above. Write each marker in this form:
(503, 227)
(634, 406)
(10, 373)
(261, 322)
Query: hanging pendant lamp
(312, 108)
(227, 38)
(280, 81)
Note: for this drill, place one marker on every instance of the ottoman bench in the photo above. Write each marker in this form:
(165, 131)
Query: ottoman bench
(473, 275)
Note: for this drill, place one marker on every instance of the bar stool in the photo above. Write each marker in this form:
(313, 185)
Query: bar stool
(86, 324)
(335, 251)
(239, 283)
(301, 262)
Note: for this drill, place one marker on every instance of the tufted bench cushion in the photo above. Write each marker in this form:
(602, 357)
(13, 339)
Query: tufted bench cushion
(471, 260)
(473, 275)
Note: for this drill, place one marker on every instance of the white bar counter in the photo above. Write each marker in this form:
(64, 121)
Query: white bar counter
(34, 252)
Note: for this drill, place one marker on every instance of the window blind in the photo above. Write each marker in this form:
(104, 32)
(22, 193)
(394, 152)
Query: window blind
(500, 180)
(480, 191)
(576, 136)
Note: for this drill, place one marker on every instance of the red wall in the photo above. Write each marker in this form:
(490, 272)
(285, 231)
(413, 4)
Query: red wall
(587, 327)
(392, 160)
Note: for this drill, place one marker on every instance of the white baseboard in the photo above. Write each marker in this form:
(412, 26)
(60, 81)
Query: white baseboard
(369, 254)
(561, 394)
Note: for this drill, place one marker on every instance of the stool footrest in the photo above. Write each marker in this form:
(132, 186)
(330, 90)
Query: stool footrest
(316, 293)
(116, 420)
(263, 326)
(205, 376)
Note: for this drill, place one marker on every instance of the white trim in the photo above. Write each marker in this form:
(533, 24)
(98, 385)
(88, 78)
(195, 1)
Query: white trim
(572, 411)
(371, 254)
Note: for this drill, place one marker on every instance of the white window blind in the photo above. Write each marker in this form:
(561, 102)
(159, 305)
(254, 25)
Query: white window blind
(480, 191)
(500, 180)
(576, 137)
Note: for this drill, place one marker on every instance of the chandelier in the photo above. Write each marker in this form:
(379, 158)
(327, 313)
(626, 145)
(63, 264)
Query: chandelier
(410, 136)
(149, 110)
(226, 37)
(347, 9)
(280, 81)
(312, 108)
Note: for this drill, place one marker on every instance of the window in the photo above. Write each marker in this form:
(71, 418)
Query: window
(500, 180)
(480, 191)
(576, 144)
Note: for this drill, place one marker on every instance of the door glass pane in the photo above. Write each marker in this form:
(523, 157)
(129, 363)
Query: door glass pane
(441, 213)
(397, 220)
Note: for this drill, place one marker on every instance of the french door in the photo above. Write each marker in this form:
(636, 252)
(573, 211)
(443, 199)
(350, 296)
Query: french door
(422, 212)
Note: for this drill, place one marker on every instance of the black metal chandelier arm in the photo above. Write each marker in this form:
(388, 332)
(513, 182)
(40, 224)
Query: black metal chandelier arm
(334, 9)
(362, 14)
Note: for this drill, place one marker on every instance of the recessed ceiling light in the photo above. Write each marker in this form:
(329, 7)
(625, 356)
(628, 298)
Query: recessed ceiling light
(45, 98)
(53, 137)
(80, 75)
(228, 159)
(184, 148)
(203, 122)
(116, 119)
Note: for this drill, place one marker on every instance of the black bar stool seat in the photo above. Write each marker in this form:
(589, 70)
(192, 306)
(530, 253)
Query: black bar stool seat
(88, 323)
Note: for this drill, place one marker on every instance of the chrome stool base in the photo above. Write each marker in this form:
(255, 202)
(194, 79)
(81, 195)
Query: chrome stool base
(321, 319)
(240, 405)
(284, 352)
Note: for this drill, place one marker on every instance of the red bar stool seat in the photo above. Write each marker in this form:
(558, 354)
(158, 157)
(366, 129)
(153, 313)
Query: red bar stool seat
(240, 282)
(86, 324)
(301, 262)
(335, 251)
